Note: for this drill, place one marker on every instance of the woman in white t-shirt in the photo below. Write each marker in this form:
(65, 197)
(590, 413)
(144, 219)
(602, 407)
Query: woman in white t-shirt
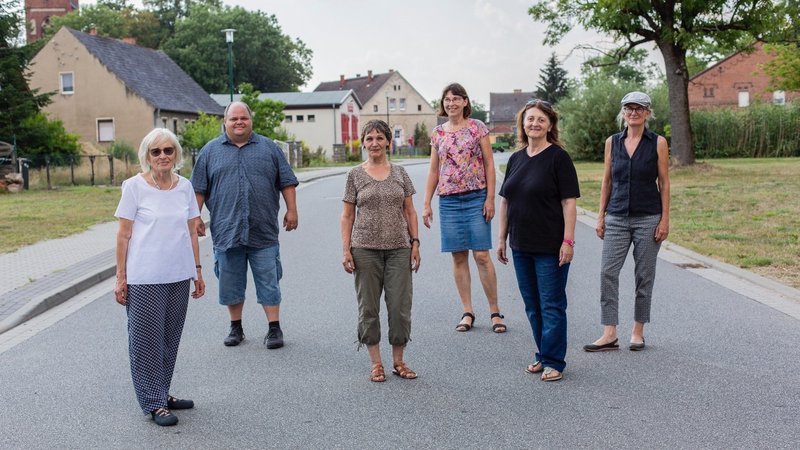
(157, 256)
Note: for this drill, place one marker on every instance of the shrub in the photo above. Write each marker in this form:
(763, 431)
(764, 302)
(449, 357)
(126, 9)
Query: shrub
(122, 150)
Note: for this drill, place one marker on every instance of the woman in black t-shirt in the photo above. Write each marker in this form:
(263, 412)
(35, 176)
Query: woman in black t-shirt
(538, 213)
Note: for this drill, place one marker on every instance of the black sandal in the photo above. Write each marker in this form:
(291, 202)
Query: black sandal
(163, 417)
(462, 327)
(498, 327)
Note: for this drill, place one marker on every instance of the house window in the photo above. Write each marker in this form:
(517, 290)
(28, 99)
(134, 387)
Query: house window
(298, 118)
(163, 122)
(105, 130)
(708, 92)
(67, 82)
(374, 108)
(312, 118)
(419, 107)
(175, 126)
(392, 104)
(744, 99)
(779, 97)
(402, 104)
(288, 118)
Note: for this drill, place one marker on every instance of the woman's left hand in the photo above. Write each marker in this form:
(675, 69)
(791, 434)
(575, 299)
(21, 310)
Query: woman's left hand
(662, 230)
(199, 288)
(415, 259)
(565, 254)
(488, 210)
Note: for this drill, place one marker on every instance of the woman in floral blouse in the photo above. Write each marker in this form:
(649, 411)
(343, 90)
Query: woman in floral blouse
(462, 173)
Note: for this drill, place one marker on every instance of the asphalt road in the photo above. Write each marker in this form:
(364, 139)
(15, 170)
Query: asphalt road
(719, 371)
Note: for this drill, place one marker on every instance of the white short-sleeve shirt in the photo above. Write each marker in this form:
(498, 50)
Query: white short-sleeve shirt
(160, 248)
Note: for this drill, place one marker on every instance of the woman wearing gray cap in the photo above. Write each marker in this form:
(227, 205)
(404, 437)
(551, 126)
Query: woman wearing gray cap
(634, 209)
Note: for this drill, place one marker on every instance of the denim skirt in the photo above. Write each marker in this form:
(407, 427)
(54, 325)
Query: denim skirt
(462, 222)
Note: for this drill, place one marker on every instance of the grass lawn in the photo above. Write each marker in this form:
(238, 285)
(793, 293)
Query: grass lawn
(36, 215)
(745, 212)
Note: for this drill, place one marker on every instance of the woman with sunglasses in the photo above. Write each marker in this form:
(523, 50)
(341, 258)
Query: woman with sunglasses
(157, 257)
(634, 209)
(462, 173)
(537, 215)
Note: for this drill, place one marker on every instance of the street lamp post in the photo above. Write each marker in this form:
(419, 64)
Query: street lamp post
(229, 39)
(391, 143)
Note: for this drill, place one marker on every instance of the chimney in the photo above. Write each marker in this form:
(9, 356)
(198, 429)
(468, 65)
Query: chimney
(517, 91)
(391, 70)
(369, 75)
(129, 40)
(341, 81)
(93, 31)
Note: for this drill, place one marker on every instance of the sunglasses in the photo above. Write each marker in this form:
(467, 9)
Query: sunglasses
(156, 152)
(536, 101)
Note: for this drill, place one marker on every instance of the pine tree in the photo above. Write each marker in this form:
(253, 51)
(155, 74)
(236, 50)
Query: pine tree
(553, 83)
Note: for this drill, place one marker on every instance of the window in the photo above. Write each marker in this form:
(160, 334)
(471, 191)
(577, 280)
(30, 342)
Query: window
(164, 122)
(374, 108)
(744, 99)
(175, 126)
(67, 82)
(779, 97)
(288, 118)
(105, 130)
(402, 104)
(312, 118)
(298, 118)
(392, 104)
(419, 107)
(708, 92)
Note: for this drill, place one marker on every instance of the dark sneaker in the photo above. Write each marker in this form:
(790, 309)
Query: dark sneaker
(235, 337)
(274, 338)
(177, 403)
(163, 417)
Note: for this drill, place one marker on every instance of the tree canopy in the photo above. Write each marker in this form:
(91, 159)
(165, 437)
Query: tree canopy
(553, 82)
(676, 27)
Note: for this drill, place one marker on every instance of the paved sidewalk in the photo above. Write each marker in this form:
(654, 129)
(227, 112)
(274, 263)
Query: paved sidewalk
(41, 276)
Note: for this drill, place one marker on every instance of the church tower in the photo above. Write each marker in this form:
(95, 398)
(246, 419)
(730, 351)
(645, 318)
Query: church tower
(38, 12)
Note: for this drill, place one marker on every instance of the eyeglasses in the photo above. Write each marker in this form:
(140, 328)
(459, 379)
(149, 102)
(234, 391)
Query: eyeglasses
(453, 99)
(637, 110)
(156, 152)
(536, 101)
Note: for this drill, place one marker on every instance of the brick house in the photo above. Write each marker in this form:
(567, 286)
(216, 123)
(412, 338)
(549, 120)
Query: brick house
(389, 97)
(107, 90)
(38, 13)
(736, 81)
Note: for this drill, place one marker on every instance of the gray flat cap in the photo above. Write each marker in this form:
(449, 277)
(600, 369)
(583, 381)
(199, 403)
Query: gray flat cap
(637, 98)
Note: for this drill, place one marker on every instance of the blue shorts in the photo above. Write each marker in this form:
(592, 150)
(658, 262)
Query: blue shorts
(230, 267)
(462, 222)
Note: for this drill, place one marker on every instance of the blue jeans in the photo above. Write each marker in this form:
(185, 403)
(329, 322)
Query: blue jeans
(543, 287)
(230, 267)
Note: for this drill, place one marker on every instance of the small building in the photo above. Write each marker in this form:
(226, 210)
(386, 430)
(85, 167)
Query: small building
(319, 119)
(503, 109)
(736, 81)
(389, 97)
(107, 90)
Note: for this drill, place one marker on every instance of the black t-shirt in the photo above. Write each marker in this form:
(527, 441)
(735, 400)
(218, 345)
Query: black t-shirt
(533, 188)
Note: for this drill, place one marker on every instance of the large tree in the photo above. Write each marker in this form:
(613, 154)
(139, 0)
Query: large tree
(117, 20)
(675, 27)
(553, 82)
(263, 56)
(17, 100)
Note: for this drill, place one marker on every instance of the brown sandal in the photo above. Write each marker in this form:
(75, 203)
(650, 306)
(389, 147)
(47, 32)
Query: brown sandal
(377, 374)
(536, 367)
(402, 371)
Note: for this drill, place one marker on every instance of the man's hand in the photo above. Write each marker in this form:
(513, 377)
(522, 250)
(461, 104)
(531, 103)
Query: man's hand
(290, 220)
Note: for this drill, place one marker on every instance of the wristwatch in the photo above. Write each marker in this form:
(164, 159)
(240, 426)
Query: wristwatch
(412, 240)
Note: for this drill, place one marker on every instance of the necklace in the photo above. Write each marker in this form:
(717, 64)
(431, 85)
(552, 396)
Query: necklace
(171, 185)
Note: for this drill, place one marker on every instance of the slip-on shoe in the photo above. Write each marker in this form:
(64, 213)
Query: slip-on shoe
(636, 346)
(614, 345)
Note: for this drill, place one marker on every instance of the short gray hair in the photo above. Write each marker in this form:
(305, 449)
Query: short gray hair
(160, 134)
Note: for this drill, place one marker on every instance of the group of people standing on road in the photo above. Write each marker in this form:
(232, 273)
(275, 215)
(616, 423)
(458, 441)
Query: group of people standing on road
(240, 177)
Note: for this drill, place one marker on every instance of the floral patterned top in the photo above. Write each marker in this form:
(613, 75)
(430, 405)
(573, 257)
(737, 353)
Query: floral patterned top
(460, 158)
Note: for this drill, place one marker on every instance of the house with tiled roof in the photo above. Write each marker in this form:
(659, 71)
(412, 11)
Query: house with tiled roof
(107, 90)
(736, 82)
(319, 119)
(389, 97)
(503, 109)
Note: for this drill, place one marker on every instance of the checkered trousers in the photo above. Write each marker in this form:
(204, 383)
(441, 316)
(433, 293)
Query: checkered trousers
(621, 232)
(156, 313)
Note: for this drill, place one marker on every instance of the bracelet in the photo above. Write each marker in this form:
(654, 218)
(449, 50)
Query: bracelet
(569, 242)
(412, 240)
(198, 266)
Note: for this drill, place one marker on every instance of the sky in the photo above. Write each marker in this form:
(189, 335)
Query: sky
(486, 45)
